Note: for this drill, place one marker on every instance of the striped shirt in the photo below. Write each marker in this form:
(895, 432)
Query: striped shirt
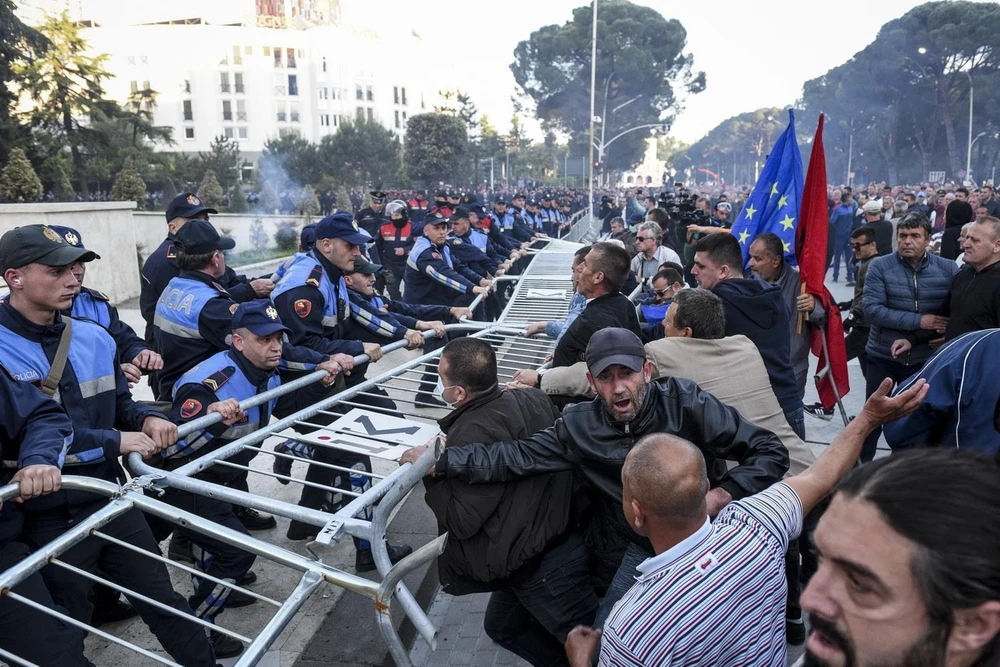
(717, 598)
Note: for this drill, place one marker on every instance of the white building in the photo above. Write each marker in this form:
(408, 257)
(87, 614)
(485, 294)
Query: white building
(254, 70)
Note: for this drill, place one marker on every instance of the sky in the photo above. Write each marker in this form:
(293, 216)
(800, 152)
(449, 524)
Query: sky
(754, 54)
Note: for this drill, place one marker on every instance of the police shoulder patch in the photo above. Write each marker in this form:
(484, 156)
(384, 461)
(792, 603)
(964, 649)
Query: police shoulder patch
(435, 255)
(171, 252)
(220, 289)
(303, 307)
(315, 276)
(190, 408)
(457, 241)
(232, 308)
(100, 296)
(219, 378)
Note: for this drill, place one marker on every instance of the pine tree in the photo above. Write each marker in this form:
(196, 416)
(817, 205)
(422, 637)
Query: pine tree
(210, 191)
(18, 180)
(308, 202)
(129, 186)
(344, 200)
(238, 200)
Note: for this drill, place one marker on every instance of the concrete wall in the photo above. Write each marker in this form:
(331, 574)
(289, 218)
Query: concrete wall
(151, 228)
(106, 228)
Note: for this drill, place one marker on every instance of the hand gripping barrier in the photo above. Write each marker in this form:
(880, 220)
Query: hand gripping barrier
(312, 573)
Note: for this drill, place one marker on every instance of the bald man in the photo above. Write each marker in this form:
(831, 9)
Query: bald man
(714, 593)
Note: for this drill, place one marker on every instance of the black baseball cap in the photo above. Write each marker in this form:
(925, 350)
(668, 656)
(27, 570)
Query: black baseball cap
(461, 213)
(186, 205)
(613, 346)
(377, 195)
(362, 265)
(198, 237)
(39, 244)
(341, 225)
(72, 236)
(307, 237)
(259, 316)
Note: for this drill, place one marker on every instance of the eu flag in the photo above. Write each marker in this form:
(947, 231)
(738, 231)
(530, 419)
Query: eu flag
(773, 205)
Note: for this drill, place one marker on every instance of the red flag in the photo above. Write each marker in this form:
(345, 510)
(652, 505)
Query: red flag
(811, 237)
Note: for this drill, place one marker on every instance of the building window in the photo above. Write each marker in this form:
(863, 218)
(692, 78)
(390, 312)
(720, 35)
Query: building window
(224, 60)
(267, 51)
(293, 84)
(337, 93)
(187, 86)
(224, 82)
(302, 53)
(369, 94)
(359, 93)
(279, 84)
(324, 120)
(277, 56)
(238, 82)
(131, 60)
(423, 105)
(360, 114)
(242, 132)
(288, 132)
(241, 111)
(397, 119)
(228, 132)
(291, 58)
(336, 120)
(143, 60)
(404, 116)
(227, 110)
(324, 63)
(324, 93)
(371, 114)
(133, 86)
(188, 113)
(248, 50)
(189, 133)
(237, 56)
(395, 94)
(282, 113)
(293, 114)
(403, 96)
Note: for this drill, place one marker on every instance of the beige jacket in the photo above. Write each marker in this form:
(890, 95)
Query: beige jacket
(729, 368)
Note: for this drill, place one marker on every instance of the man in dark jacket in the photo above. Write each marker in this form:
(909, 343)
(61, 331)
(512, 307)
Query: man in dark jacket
(755, 310)
(534, 561)
(974, 300)
(594, 438)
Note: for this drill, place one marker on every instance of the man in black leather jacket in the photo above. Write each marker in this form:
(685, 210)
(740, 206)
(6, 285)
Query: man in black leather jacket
(595, 437)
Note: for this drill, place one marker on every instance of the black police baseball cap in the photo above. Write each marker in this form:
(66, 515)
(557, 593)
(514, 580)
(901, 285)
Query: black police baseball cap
(362, 265)
(442, 193)
(614, 346)
(187, 205)
(461, 213)
(341, 225)
(198, 237)
(40, 244)
(436, 219)
(501, 199)
(259, 316)
(71, 235)
(307, 237)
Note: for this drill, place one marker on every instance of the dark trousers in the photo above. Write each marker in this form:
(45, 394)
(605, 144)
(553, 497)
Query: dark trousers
(855, 344)
(878, 370)
(532, 617)
(186, 642)
(395, 282)
(211, 556)
(32, 634)
(623, 580)
(841, 248)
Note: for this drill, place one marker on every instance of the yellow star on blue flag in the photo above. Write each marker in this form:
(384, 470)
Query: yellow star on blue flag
(773, 205)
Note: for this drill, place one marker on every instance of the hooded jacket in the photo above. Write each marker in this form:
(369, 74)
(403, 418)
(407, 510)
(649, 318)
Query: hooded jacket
(758, 311)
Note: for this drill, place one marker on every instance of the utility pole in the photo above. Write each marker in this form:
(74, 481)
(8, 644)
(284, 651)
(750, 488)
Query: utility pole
(593, 81)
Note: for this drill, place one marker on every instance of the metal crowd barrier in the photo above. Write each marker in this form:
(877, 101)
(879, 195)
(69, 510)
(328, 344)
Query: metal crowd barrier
(407, 386)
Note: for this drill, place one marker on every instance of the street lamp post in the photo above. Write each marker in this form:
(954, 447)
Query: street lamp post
(968, 155)
(593, 81)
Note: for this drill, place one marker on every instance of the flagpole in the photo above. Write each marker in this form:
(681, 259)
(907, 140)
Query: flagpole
(593, 82)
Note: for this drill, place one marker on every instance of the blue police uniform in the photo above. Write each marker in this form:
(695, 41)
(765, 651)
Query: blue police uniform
(468, 251)
(94, 394)
(550, 219)
(33, 431)
(433, 277)
(92, 305)
(534, 221)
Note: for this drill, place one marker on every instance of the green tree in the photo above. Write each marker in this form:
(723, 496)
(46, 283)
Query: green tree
(18, 43)
(436, 149)
(288, 163)
(129, 186)
(210, 191)
(223, 158)
(66, 88)
(641, 69)
(362, 153)
(238, 201)
(308, 202)
(737, 146)
(18, 180)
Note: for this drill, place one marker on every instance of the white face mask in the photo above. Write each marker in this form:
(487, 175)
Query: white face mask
(439, 390)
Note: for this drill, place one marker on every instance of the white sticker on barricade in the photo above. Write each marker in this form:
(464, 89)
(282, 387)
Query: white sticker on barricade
(388, 430)
(546, 294)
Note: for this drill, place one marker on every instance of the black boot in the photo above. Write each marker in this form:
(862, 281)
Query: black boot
(252, 519)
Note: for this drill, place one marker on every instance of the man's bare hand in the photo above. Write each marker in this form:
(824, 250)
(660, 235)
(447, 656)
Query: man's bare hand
(229, 409)
(481, 290)
(880, 409)
(900, 346)
(716, 499)
(373, 350)
(458, 312)
(160, 431)
(132, 374)
(262, 287)
(148, 360)
(805, 303)
(932, 322)
(137, 442)
(434, 325)
(581, 646)
(345, 361)
(37, 480)
(413, 338)
(534, 329)
(527, 376)
(411, 455)
(333, 370)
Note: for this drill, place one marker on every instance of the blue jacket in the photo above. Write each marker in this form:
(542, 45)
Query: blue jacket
(895, 297)
(962, 408)
(471, 251)
(92, 305)
(224, 375)
(93, 392)
(432, 276)
(842, 219)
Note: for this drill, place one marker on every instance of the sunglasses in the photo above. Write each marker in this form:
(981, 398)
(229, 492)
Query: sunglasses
(859, 246)
(661, 292)
(644, 238)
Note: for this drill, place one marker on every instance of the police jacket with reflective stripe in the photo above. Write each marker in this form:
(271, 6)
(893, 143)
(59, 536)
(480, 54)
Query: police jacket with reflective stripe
(92, 305)
(432, 276)
(93, 392)
(311, 300)
(224, 375)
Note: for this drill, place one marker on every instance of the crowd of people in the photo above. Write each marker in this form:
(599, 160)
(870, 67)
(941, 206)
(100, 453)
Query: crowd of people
(685, 521)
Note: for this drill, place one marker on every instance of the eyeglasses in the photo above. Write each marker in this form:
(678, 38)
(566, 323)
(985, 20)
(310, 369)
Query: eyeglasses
(859, 246)
(645, 238)
(661, 292)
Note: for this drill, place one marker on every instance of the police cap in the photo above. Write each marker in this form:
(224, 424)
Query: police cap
(186, 205)
(71, 235)
(365, 267)
(259, 317)
(307, 237)
(341, 225)
(198, 237)
(39, 244)
(461, 213)
(377, 196)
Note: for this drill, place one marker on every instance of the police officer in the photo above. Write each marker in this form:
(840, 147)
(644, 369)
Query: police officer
(161, 265)
(550, 216)
(307, 239)
(312, 301)
(454, 198)
(532, 218)
(37, 266)
(433, 277)
(35, 435)
(373, 216)
(89, 304)
(418, 207)
(511, 224)
(469, 247)
(394, 240)
(218, 384)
